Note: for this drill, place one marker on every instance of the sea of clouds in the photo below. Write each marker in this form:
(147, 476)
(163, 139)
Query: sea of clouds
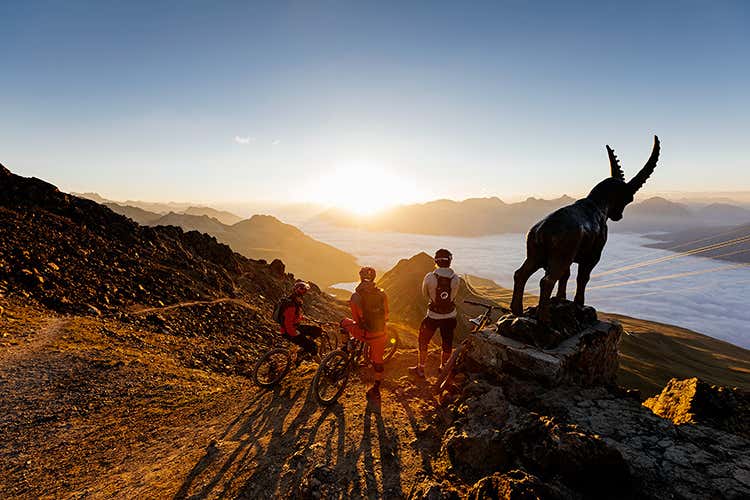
(706, 295)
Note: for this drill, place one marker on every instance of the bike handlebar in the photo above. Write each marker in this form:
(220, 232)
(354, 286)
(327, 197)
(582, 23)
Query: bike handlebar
(323, 323)
(488, 306)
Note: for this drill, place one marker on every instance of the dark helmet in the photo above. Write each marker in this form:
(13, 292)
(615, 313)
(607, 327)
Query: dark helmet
(443, 258)
(301, 288)
(367, 273)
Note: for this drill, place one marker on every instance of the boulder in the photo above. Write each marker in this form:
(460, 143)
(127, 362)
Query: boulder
(693, 401)
(566, 320)
(431, 490)
(515, 485)
(589, 357)
(492, 434)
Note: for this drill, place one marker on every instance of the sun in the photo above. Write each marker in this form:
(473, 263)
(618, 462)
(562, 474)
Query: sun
(362, 190)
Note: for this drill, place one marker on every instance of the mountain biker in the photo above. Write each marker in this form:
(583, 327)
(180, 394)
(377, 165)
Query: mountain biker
(291, 321)
(369, 305)
(440, 287)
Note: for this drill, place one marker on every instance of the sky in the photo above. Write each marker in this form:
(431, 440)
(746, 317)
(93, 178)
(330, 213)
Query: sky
(364, 104)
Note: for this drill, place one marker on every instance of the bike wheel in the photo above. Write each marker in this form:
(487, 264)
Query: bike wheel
(272, 367)
(331, 378)
(391, 345)
(445, 377)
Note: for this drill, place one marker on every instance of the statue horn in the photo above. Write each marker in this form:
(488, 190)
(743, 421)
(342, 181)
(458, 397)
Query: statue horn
(639, 180)
(614, 165)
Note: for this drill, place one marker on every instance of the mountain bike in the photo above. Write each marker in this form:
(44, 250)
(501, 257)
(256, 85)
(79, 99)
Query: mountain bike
(273, 366)
(333, 372)
(477, 324)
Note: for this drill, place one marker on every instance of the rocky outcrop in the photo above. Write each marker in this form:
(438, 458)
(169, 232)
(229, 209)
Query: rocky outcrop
(551, 423)
(590, 442)
(589, 357)
(516, 485)
(566, 320)
(693, 401)
(76, 256)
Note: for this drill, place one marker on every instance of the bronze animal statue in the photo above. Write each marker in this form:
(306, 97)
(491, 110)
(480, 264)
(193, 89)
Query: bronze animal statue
(576, 233)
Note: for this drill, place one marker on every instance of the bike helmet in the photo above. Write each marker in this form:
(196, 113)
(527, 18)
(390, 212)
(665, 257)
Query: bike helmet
(300, 288)
(367, 274)
(443, 258)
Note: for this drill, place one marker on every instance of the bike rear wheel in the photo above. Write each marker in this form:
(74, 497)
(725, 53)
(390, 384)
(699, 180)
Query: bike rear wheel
(272, 367)
(391, 345)
(331, 378)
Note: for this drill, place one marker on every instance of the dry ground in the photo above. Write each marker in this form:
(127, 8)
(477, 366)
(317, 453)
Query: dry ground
(97, 409)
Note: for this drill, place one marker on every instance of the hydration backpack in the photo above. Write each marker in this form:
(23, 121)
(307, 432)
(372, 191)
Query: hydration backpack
(278, 312)
(373, 308)
(442, 304)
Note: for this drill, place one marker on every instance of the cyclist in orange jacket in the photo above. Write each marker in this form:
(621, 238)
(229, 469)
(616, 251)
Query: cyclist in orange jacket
(369, 305)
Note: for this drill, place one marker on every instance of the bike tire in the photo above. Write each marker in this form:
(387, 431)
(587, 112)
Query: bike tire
(392, 343)
(278, 362)
(333, 368)
(446, 375)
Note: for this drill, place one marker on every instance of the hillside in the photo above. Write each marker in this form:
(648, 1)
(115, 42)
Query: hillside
(263, 237)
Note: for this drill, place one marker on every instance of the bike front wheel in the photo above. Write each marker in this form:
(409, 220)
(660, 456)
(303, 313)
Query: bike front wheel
(272, 367)
(331, 378)
(446, 376)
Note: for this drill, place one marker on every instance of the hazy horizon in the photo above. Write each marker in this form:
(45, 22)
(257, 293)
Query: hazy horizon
(374, 104)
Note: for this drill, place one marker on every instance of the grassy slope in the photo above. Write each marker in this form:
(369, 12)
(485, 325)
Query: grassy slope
(653, 352)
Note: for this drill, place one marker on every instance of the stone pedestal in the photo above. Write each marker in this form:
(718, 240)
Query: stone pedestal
(586, 358)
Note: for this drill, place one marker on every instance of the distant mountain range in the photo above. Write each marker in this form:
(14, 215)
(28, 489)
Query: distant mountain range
(485, 216)
(260, 237)
(142, 208)
(471, 217)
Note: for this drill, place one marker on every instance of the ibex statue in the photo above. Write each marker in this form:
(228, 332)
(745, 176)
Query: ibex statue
(576, 233)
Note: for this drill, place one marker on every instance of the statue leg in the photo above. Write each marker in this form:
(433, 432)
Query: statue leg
(562, 285)
(520, 278)
(546, 286)
(584, 274)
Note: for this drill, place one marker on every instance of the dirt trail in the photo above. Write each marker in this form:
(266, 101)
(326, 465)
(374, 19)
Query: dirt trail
(146, 310)
(92, 408)
(364, 449)
(40, 338)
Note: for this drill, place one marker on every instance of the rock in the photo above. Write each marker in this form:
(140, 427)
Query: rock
(278, 267)
(320, 482)
(431, 490)
(587, 358)
(693, 401)
(514, 485)
(495, 435)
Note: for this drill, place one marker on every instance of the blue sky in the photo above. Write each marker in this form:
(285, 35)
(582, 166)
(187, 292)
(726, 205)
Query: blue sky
(242, 101)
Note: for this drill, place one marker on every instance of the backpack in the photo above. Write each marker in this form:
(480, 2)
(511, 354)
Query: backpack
(278, 312)
(442, 304)
(373, 308)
